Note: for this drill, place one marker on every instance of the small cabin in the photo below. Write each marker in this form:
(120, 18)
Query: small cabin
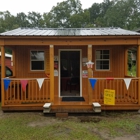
(70, 69)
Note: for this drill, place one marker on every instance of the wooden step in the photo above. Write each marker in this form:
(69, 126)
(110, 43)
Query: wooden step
(61, 115)
(46, 107)
(96, 107)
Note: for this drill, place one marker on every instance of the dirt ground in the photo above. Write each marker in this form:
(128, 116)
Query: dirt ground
(88, 118)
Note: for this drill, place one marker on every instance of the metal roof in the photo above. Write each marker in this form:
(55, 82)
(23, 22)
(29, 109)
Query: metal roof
(70, 32)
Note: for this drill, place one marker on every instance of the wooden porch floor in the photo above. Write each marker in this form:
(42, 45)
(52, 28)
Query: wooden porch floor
(73, 107)
(74, 93)
(57, 106)
(69, 106)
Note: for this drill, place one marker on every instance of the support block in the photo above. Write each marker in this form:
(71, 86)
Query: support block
(46, 107)
(96, 107)
(62, 115)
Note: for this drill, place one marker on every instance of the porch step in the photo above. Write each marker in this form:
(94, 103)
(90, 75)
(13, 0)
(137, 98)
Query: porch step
(61, 115)
(46, 107)
(96, 107)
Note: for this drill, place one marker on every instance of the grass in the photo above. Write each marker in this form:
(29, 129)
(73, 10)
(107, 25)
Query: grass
(36, 126)
(132, 71)
(17, 126)
(118, 127)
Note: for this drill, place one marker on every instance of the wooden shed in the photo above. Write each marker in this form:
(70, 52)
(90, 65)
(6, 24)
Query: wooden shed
(50, 64)
(8, 58)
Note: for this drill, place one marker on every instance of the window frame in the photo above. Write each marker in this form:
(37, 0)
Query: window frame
(109, 60)
(30, 67)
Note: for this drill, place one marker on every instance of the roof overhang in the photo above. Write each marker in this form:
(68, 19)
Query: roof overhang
(70, 36)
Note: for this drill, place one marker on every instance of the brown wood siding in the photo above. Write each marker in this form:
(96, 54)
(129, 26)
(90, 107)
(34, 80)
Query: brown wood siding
(56, 81)
(22, 62)
(84, 80)
(117, 58)
(47, 60)
(84, 54)
(73, 40)
(125, 99)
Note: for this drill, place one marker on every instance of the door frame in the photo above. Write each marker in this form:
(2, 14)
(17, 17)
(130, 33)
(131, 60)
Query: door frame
(59, 78)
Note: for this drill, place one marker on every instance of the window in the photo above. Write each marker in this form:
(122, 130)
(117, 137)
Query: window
(102, 59)
(37, 60)
(8, 72)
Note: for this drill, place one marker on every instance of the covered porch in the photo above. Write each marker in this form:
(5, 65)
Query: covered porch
(34, 97)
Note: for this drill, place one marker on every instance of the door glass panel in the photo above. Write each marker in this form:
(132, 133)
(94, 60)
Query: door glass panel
(70, 68)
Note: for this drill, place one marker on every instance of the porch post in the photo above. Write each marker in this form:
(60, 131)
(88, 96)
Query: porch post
(138, 70)
(51, 73)
(89, 74)
(2, 73)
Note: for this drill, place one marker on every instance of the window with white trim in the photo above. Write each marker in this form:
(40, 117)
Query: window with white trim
(37, 60)
(102, 59)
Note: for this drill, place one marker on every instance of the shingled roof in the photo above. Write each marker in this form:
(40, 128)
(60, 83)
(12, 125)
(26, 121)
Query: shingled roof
(70, 32)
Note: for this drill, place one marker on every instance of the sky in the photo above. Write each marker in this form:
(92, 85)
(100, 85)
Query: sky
(40, 6)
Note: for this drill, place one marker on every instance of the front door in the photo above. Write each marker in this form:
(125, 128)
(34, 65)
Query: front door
(69, 73)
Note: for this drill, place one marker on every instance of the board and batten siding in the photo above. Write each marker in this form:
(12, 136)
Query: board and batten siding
(22, 62)
(117, 60)
(84, 80)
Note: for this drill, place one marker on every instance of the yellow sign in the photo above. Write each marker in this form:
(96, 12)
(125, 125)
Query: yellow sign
(109, 97)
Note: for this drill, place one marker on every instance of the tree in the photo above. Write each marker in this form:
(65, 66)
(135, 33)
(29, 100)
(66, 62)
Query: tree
(104, 6)
(7, 21)
(69, 14)
(134, 17)
(60, 15)
(124, 14)
(35, 19)
(22, 20)
(80, 20)
(94, 12)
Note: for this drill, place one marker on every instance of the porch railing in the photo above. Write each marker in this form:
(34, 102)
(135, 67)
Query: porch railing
(122, 94)
(15, 95)
(33, 94)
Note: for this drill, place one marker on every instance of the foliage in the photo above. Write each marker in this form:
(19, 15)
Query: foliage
(132, 71)
(60, 15)
(35, 19)
(69, 14)
(7, 21)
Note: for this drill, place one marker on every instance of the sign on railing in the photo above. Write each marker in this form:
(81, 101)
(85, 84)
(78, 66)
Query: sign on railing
(109, 97)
